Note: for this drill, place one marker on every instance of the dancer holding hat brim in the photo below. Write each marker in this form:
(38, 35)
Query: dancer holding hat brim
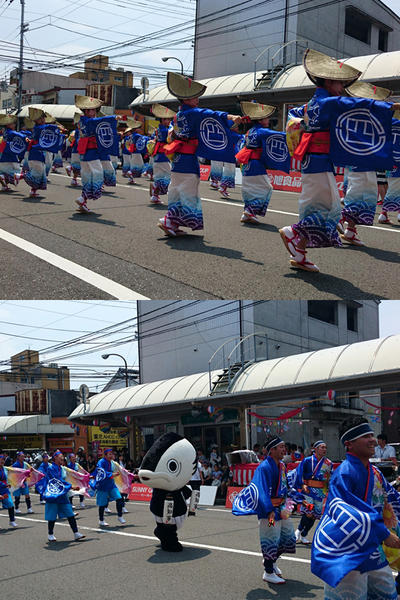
(184, 204)
(312, 479)
(361, 513)
(267, 497)
(256, 186)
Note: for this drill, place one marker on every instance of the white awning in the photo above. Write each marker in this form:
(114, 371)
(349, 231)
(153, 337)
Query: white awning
(63, 112)
(374, 67)
(31, 424)
(374, 363)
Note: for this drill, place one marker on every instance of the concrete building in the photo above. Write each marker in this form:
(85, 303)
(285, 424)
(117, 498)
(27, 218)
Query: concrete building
(48, 88)
(230, 39)
(97, 69)
(179, 339)
(26, 368)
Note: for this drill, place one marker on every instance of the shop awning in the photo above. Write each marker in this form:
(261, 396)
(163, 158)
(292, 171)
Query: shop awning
(63, 112)
(30, 424)
(374, 67)
(364, 365)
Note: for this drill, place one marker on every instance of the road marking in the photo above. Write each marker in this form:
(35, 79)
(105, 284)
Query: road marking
(152, 538)
(98, 281)
(270, 210)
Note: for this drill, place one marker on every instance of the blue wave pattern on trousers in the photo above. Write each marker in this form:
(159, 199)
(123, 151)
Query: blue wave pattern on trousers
(161, 185)
(8, 170)
(277, 539)
(318, 231)
(391, 201)
(35, 177)
(92, 179)
(186, 215)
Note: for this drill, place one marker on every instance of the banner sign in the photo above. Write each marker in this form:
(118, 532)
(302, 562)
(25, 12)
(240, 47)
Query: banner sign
(205, 172)
(292, 182)
(231, 495)
(140, 492)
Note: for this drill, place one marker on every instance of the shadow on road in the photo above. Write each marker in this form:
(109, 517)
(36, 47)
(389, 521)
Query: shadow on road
(329, 284)
(378, 253)
(291, 589)
(262, 226)
(160, 556)
(195, 243)
(94, 218)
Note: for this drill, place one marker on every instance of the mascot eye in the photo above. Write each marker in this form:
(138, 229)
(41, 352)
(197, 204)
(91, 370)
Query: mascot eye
(173, 466)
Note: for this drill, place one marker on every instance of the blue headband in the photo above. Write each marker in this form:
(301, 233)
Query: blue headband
(318, 443)
(108, 450)
(2, 455)
(56, 453)
(20, 452)
(274, 442)
(356, 432)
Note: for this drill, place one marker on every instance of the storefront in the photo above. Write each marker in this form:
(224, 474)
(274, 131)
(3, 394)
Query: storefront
(205, 431)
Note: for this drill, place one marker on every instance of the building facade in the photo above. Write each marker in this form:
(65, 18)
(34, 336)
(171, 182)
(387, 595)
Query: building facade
(229, 38)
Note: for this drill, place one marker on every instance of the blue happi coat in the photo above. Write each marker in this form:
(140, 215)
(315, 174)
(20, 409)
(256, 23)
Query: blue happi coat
(103, 476)
(269, 481)
(54, 486)
(350, 534)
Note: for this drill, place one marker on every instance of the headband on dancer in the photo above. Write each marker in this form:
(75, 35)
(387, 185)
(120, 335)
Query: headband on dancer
(356, 432)
(108, 450)
(273, 443)
(20, 453)
(2, 455)
(318, 443)
(57, 453)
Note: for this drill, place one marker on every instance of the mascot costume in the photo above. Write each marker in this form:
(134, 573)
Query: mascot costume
(167, 467)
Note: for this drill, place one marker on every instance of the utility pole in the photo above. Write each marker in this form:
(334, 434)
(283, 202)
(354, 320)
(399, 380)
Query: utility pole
(24, 27)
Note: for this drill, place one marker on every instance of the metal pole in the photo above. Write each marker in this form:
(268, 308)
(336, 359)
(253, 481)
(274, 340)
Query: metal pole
(21, 57)
(126, 372)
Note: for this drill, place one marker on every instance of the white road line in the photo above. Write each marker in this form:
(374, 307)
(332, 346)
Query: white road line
(152, 538)
(98, 281)
(270, 210)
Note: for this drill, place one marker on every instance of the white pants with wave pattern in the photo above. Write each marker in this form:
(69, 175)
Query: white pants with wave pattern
(373, 585)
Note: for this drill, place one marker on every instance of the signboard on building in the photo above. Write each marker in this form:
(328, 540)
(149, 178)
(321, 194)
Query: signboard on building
(21, 442)
(111, 439)
(291, 182)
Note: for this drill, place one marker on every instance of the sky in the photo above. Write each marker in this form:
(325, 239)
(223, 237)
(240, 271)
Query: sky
(41, 325)
(73, 27)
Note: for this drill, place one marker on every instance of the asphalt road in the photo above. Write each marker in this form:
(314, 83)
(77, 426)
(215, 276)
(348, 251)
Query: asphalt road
(54, 252)
(221, 560)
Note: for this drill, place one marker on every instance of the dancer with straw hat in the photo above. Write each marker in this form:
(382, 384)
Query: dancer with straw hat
(161, 166)
(362, 189)
(11, 146)
(35, 177)
(256, 186)
(184, 204)
(319, 202)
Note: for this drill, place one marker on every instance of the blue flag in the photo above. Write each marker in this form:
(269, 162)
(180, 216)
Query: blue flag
(55, 488)
(396, 141)
(49, 138)
(17, 142)
(105, 131)
(276, 152)
(141, 143)
(360, 132)
(216, 141)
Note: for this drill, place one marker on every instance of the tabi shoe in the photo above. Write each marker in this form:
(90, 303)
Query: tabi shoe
(383, 218)
(82, 505)
(107, 510)
(52, 538)
(273, 578)
(350, 236)
(79, 536)
(298, 535)
(213, 186)
(121, 520)
(166, 225)
(223, 193)
(13, 524)
(82, 206)
(69, 170)
(300, 262)
(304, 540)
(74, 182)
(277, 570)
(103, 524)
(30, 511)
(155, 200)
(33, 194)
(289, 238)
(341, 226)
(17, 177)
(131, 182)
(17, 511)
(124, 510)
(249, 218)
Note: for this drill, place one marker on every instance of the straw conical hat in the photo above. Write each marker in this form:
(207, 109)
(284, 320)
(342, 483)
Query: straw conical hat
(319, 65)
(362, 89)
(84, 102)
(35, 113)
(183, 87)
(28, 123)
(49, 118)
(256, 111)
(7, 120)
(162, 112)
(77, 116)
(133, 124)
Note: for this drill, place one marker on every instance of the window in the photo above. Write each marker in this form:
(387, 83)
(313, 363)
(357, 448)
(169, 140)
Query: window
(357, 25)
(383, 40)
(323, 310)
(352, 318)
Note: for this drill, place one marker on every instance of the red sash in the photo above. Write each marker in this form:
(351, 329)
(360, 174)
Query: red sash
(32, 143)
(3, 146)
(86, 143)
(181, 146)
(246, 154)
(131, 148)
(159, 148)
(316, 143)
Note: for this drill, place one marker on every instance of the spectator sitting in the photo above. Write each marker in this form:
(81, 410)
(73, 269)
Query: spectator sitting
(214, 458)
(207, 472)
(226, 480)
(216, 475)
(257, 450)
(91, 463)
(200, 455)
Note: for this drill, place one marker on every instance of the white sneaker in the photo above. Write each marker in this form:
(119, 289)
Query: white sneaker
(13, 524)
(17, 511)
(82, 505)
(52, 538)
(43, 502)
(277, 570)
(103, 524)
(107, 510)
(124, 510)
(121, 520)
(30, 511)
(273, 578)
(298, 535)
(304, 540)
(76, 514)
(79, 536)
